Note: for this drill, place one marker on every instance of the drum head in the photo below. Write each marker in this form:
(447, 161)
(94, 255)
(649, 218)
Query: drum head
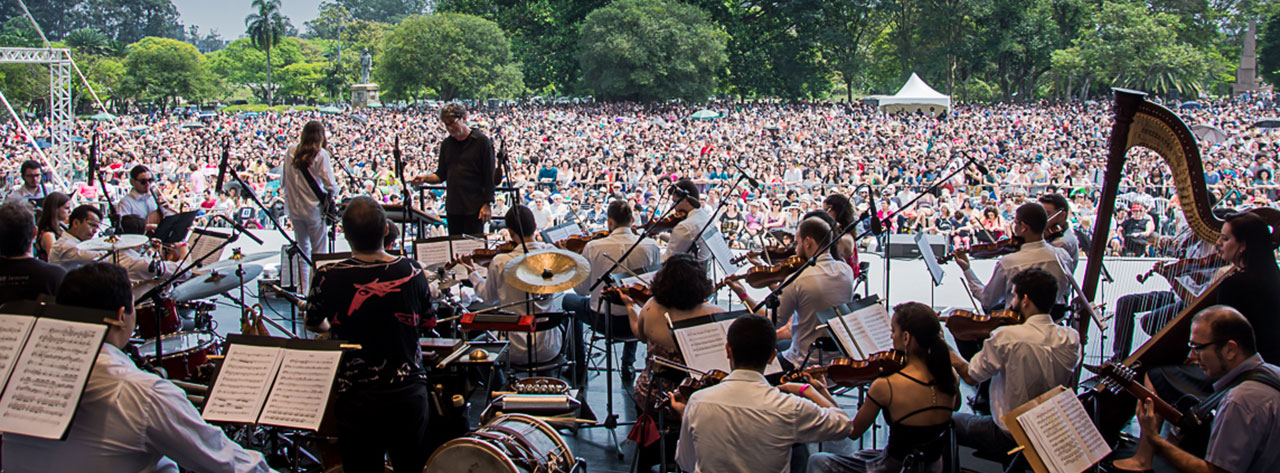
(473, 454)
(177, 344)
(469, 455)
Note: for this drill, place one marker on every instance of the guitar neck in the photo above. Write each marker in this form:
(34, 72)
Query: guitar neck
(1140, 391)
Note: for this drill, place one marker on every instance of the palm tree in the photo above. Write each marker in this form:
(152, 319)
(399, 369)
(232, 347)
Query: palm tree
(265, 27)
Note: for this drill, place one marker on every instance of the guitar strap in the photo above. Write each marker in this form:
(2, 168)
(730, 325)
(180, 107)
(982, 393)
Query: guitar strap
(1195, 437)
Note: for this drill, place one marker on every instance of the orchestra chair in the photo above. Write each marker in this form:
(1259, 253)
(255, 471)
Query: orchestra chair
(553, 320)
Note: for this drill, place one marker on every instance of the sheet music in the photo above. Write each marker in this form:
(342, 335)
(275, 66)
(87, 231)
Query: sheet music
(560, 232)
(301, 391)
(646, 277)
(871, 327)
(875, 319)
(1062, 434)
(13, 335)
(719, 248)
(432, 252)
(703, 347)
(49, 377)
(466, 246)
(204, 246)
(242, 384)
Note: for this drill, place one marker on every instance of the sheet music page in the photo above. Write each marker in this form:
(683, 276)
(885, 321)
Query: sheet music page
(465, 246)
(49, 378)
(703, 346)
(203, 247)
(847, 340)
(560, 232)
(432, 252)
(301, 391)
(774, 366)
(242, 384)
(875, 319)
(13, 335)
(1062, 434)
(719, 248)
(646, 277)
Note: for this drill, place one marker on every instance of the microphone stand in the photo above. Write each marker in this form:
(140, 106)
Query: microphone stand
(406, 199)
(772, 299)
(293, 244)
(693, 245)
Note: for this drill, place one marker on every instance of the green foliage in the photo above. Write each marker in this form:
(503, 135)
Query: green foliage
(651, 50)
(1133, 47)
(384, 11)
(162, 70)
(301, 81)
(1269, 49)
(241, 63)
(17, 32)
(467, 57)
(127, 21)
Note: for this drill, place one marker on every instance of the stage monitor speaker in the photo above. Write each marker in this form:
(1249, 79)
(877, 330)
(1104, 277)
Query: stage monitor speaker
(903, 245)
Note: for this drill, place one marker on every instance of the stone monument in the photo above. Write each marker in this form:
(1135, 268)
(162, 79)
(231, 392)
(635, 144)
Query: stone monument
(1247, 80)
(364, 93)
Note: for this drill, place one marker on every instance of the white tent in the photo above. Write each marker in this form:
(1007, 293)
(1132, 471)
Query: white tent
(916, 96)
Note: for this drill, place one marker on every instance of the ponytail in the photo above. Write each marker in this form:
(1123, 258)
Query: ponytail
(921, 322)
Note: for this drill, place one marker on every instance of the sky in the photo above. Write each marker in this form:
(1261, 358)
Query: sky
(227, 16)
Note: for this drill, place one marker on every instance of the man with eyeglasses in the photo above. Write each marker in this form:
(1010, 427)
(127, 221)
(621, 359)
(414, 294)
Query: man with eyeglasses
(32, 188)
(84, 223)
(1244, 402)
(140, 200)
(465, 165)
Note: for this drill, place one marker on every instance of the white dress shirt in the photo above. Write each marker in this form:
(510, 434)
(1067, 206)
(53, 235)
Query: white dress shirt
(1036, 254)
(1024, 361)
(492, 288)
(744, 424)
(131, 421)
(299, 200)
(135, 203)
(684, 232)
(1070, 244)
(19, 193)
(827, 284)
(66, 254)
(598, 252)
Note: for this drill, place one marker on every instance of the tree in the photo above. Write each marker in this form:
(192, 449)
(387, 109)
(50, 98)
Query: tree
(89, 41)
(651, 50)
(163, 69)
(847, 30)
(301, 81)
(265, 27)
(384, 11)
(128, 21)
(240, 63)
(328, 23)
(469, 57)
(1269, 49)
(51, 14)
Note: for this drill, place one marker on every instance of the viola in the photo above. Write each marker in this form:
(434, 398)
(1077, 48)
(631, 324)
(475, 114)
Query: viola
(849, 372)
(691, 385)
(1056, 226)
(774, 253)
(762, 276)
(988, 250)
(637, 292)
(576, 243)
(968, 326)
(665, 223)
(482, 256)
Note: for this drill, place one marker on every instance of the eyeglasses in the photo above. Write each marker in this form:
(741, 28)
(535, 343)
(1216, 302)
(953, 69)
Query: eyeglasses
(1201, 346)
(147, 180)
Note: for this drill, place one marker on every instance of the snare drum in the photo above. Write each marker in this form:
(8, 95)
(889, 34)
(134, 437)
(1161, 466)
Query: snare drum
(146, 316)
(512, 443)
(183, 353)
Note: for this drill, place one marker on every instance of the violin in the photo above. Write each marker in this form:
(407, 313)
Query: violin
(774, 253)
(637, 292)
(576, 243)
(762, 276)
(691, 385)
(1056, 226)
(849, 372)
(988, 250)
(664, 224)
(482, 256)
(1212, 261)
(968, 326)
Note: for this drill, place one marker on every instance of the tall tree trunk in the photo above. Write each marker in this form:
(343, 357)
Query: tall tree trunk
(269, 94)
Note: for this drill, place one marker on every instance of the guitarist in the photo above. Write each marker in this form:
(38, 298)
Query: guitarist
(309, 188)
(1245, 397)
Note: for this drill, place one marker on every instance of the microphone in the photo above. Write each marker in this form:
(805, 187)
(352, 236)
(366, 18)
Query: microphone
(289, 296)
(877, 227)
(982, 169)
(222, 167)
(241, 229)
(678, 191)
(751, 180)
(93, 158)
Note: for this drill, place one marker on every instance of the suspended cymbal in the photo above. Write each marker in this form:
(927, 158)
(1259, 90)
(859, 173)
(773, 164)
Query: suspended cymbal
(546, 271)
(142, 287)
(237, 259)
(113, 243)
(214, 283)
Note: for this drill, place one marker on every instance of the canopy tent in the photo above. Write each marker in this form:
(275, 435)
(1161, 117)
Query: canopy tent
(916, 96)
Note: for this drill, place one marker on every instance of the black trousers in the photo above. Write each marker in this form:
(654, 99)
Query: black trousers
(375, 423)
(464, 224)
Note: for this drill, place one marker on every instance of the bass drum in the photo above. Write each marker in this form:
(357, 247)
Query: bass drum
(511, 443)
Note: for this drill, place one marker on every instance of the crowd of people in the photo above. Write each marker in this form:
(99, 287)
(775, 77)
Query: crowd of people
(570, 158)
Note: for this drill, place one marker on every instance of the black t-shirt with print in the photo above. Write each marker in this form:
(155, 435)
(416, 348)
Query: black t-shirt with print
(28, 278)
(380, 306)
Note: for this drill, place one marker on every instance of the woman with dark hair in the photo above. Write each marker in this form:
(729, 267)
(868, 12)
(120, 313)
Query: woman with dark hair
(917, 401)
(302, 202)
(680, 290)
(55, 211)
(841, 211)
(1249, 242)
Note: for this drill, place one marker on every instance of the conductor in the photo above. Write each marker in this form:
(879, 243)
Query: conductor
(466, 167)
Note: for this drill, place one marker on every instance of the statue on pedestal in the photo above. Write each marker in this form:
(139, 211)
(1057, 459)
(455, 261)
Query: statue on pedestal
(366, 63)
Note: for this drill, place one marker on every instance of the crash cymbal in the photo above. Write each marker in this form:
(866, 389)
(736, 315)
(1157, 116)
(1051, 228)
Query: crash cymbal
(142, 287)
(113, 243)
(214, 283)
(546, 271)
(238, 258)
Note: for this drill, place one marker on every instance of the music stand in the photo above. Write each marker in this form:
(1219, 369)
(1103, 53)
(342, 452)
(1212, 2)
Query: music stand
(174, 228)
